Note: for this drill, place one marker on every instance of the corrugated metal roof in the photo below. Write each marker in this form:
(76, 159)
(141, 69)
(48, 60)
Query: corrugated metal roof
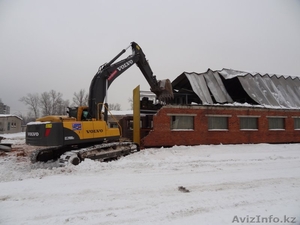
(265, 89)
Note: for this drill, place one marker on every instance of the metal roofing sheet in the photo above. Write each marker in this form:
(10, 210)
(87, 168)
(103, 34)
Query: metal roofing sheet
(272, 90)
(256, 90)
(216, 87)
(207, 84)
(222, 87)
(267, 89)
(199, 86)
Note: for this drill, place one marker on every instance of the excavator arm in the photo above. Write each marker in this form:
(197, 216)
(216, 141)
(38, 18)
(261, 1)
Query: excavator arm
(108, 72)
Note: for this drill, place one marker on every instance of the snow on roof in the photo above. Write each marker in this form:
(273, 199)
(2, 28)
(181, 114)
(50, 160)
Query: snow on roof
(147, 94)
(10, 115)
(37, 122)
(124, 113)
(121, 113)
(231, 73)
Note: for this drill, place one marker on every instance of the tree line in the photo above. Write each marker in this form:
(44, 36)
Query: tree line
(52, 103)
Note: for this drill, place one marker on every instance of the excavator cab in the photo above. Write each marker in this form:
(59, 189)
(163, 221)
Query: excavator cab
(81, 113)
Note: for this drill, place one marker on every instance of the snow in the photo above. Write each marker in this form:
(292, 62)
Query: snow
(228, 184)
(10, 115)
(14, 138)
(38, 122)
(231, 73)
(121, 113)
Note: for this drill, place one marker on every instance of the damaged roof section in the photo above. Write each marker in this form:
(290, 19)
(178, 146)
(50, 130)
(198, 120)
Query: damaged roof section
(228, 86)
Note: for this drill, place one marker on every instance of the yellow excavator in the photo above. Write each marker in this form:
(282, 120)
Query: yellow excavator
(84, 132)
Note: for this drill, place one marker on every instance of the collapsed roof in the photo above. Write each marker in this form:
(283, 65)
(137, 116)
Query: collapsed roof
(228, 86)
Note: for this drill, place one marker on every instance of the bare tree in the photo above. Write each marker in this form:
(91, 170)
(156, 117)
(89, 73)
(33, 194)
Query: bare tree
(80, 98)
(25, 119)
(50, 103)
(113, 106)
(45, 103)
(62, 107)
(130, 100)
(32, 101)
(56, 100)
(29, 118)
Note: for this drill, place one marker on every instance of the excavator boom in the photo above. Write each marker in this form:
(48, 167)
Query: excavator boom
(108, 72)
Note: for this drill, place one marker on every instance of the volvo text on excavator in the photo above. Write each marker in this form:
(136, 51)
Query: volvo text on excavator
(84, 132)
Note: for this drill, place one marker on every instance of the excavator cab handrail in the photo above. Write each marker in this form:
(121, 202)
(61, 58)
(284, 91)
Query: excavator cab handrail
(107, 110)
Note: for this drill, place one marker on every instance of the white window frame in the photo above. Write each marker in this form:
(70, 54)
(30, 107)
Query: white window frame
(218, 116)
(252, 117)
(296, 118)
(277, 117)
(181, 115)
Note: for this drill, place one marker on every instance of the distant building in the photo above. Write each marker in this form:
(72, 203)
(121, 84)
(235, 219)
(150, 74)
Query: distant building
(4, 109)
(10, 124)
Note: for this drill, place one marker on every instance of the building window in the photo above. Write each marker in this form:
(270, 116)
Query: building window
(276, 123)
(113, 125)
(13, 125)
(217, 123)
(182, 122)
(130, 124)
(248, 123)
(297, 123)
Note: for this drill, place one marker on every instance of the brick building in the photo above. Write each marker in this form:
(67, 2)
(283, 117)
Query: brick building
(228, 107)
(194, 125)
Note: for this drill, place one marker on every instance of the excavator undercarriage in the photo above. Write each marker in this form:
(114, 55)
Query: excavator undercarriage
(73, 155)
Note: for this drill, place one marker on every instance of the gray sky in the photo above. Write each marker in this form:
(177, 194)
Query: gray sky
(59, 44)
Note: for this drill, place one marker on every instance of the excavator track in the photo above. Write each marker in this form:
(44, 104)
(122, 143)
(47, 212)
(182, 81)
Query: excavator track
(46, 154)
(101, 152)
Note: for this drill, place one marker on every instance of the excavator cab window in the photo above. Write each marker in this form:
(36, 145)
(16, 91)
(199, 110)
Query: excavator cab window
(84, 115)
(72, 112)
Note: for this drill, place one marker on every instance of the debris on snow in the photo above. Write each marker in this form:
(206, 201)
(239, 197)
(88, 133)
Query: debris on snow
(183, 189)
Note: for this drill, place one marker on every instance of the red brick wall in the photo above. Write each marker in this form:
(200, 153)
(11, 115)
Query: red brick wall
(162, 135)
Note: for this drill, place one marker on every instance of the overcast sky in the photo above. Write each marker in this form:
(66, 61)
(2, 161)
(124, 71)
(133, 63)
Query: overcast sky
(59, 44)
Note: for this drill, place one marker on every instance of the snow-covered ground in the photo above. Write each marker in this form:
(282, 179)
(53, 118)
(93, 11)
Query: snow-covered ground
(228, 184)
